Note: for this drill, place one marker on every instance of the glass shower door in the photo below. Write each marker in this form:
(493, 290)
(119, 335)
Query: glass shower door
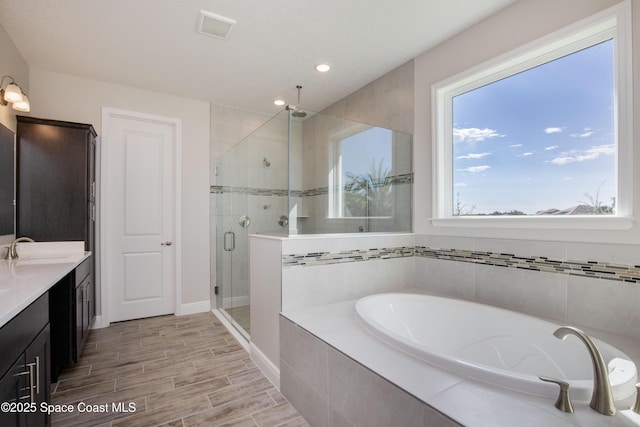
(232, 224)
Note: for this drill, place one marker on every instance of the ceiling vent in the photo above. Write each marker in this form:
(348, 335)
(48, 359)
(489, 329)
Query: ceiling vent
(214, 25)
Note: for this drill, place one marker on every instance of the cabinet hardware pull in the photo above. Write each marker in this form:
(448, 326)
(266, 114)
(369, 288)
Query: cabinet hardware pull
(32, 386)
(167, 243)
(38, 375)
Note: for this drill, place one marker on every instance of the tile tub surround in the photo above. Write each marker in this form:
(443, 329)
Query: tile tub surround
(333, 372)
(178, 371)
(595, 285)
(592, 269)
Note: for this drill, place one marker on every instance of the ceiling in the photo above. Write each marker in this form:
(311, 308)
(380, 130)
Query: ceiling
(275, 45)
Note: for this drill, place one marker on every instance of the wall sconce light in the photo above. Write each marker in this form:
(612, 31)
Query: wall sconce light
(12, 93)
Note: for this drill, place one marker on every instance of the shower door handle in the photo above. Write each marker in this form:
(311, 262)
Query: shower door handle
(232, 240)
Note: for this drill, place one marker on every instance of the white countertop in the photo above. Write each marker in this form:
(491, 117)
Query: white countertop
(39, 266)
(469, 402)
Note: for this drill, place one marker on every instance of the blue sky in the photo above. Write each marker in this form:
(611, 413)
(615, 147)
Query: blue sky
(540, 139)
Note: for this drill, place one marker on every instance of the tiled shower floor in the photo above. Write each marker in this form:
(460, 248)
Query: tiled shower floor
(176, 371)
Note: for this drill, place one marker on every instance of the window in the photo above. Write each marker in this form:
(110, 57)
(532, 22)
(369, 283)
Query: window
(541, 133)
(362, 165)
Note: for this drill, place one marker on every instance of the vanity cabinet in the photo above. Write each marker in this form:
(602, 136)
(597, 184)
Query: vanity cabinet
(55, 201)
(71, 305)
(25, 366)
(84, 305)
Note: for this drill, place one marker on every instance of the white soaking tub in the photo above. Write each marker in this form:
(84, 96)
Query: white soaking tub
(492, 345)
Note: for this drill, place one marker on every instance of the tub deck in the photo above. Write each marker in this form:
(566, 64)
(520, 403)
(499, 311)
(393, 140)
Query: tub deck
(466, 401)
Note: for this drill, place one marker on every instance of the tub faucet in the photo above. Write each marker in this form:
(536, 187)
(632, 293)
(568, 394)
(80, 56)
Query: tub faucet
(11, 252)
(602, 398)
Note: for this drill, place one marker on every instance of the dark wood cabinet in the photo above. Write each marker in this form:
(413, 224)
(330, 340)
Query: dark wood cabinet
(84, 305)
(55, 201)
(25, 365)
(55, 189)
(71, 307)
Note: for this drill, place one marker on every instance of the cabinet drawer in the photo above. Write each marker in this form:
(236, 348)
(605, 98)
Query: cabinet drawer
(83, 271)
(16, 335)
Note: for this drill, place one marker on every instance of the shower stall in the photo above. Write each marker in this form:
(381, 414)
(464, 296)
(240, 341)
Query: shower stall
(303, 174)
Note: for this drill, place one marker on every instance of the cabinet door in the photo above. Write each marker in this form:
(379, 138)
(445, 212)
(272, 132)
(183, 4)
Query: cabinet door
(14, 388)
(83, 313)
(79, 319)
(38, 362)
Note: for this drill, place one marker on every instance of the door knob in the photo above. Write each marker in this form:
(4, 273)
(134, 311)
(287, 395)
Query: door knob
(167, 243)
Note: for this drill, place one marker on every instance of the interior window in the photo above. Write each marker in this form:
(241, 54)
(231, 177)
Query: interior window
(364, 174)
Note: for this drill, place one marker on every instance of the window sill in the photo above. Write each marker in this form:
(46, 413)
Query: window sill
(540, 222)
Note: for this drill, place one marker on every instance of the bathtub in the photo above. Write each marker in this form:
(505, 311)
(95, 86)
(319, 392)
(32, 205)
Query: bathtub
(490, 344)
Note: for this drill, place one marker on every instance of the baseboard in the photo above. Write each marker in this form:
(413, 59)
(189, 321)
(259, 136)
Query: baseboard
(269, 370)
(98, 323)
(194, 307)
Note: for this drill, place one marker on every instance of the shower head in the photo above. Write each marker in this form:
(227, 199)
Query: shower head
(296, 111)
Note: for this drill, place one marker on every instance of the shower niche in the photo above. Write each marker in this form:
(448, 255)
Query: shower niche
(303, 174)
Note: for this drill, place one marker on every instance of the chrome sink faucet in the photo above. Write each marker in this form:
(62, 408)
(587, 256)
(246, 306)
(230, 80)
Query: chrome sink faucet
(11, 252)
(602, 397)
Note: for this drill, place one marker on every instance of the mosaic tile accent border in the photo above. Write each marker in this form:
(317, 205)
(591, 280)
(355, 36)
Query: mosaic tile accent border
(593, 269)
(328, 258)
(220, 189)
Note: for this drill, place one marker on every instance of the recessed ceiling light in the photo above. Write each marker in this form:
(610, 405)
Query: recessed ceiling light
(279, 102)
(323, 68)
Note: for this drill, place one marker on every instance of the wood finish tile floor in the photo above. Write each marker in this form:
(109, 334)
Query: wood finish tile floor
(176, 372)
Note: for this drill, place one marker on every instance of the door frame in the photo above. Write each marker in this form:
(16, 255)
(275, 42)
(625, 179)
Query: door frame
(109, 113)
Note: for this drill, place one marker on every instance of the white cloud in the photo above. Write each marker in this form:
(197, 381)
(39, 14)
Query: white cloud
(583, 155)
(515, 145)
(474, 134)
(527, 154)
(474, 169)
(585, 134)
(460, 184)
(553, 130)
(551, 147)
(474, 156)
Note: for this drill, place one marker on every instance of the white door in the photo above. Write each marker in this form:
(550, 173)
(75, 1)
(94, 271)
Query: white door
(139, 208)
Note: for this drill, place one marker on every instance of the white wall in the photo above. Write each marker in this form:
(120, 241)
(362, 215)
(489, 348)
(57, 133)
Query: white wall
(63, 97)
(511, 28)
(14, 65)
